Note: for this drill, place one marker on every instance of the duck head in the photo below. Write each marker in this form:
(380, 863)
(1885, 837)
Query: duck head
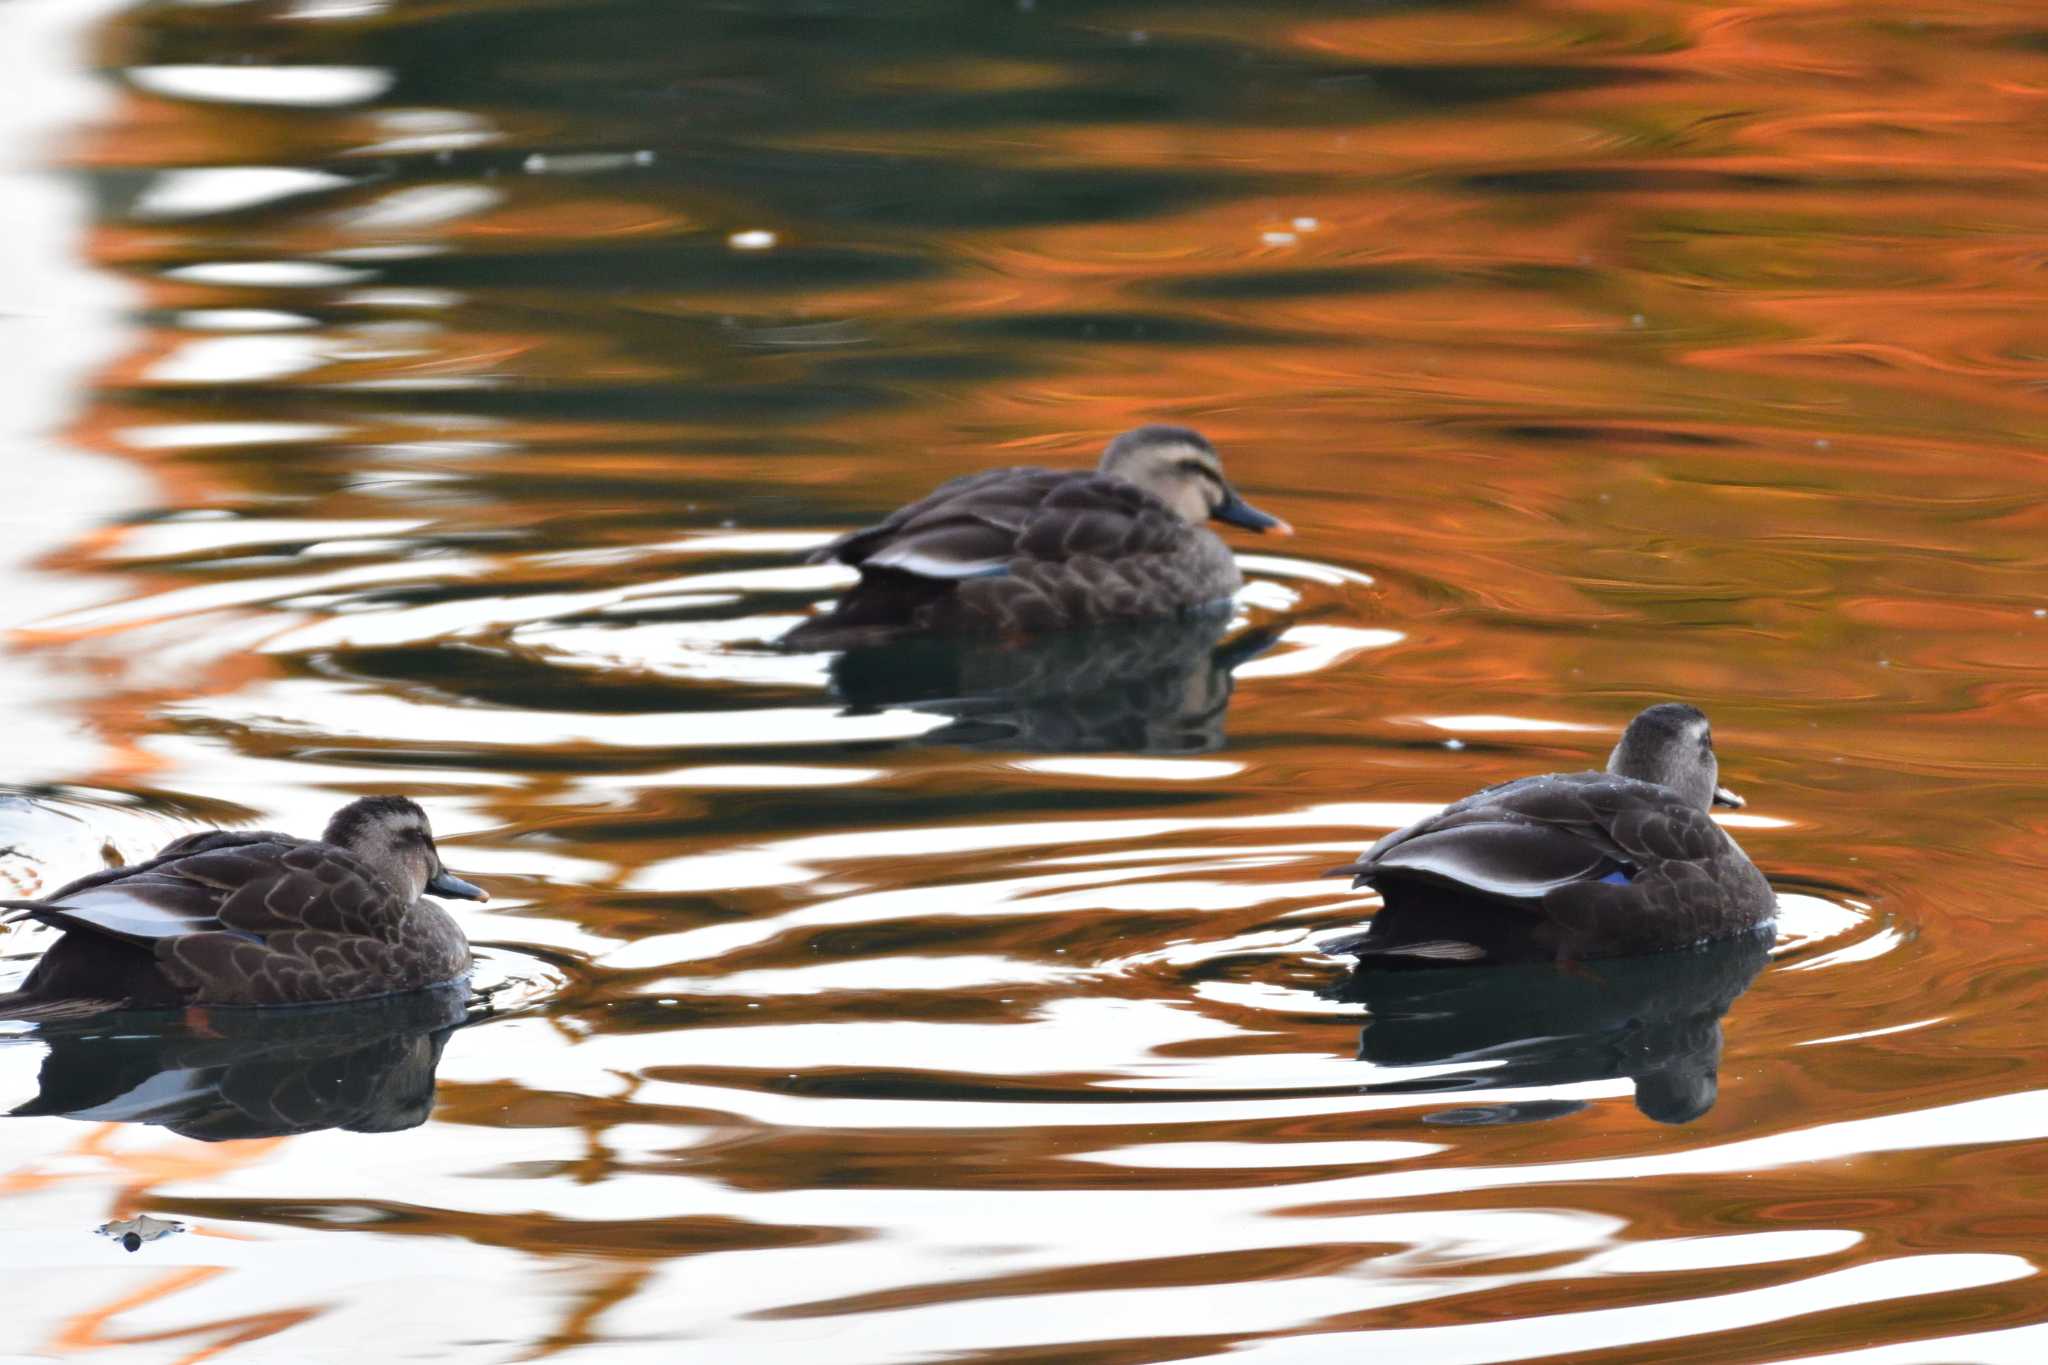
(391, 834)
(1672, 745)
(1180, 468)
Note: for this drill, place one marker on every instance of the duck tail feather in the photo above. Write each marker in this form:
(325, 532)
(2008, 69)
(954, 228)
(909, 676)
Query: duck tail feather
(1429, 950)
(1438, 950)
(32, 1010)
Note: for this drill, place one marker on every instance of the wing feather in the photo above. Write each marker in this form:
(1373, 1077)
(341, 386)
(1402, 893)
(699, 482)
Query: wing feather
(1507, 858)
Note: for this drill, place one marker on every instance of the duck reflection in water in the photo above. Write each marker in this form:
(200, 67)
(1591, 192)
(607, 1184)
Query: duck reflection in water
(1655, 1020)
(1153, 687)
(366, 1066)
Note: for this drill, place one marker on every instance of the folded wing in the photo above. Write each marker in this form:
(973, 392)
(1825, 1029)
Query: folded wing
(979, 525)
(1507, 858)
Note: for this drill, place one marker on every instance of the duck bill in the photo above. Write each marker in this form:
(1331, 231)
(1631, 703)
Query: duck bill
(448, 884)
(1237, 512)
(1724, 797)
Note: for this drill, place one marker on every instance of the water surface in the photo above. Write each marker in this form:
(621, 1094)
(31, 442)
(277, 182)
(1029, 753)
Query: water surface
(444, 398)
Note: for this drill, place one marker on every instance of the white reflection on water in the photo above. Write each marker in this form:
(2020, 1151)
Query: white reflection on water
(798, 859)
(1872, 1032)
(2011, 1346)
(899, 973)
(421, 206)
(1307, 649)
(699, 649)
(307, 707)
(1670, 1319)
(430, 130)
(744, 775)
(1804, 919)
(305, 86)
(185, 603)
(1492, 725)
(268, 274)
(1136, 769)
(1234, 1156)
(1284, 566)
(222, 189)
(242, 320)
(432, 621)
(199, 435)
(240, 359)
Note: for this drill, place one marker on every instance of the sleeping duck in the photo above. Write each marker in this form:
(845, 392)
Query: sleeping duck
(1569, 865)
(1020, 551)
(254, 918)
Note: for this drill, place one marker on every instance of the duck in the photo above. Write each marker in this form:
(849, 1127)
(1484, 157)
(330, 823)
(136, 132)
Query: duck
(253, 917)
(1566, 866)
(1025, 550)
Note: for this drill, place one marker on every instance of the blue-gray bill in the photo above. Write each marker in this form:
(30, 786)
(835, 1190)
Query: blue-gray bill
(1237, 512)
(448, 884)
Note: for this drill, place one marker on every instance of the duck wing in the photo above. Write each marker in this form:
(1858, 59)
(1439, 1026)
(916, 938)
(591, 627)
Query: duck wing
(252, 884)
(180, 891)
(1519, 841)
(978, 525)
(965, 527)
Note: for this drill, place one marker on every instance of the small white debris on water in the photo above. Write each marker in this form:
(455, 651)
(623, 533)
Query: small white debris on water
(1822, 443)
(1454, 744)
(753, 239)
(2041, 611)
(1306, 225)
(1637, 320)
(1278, 238)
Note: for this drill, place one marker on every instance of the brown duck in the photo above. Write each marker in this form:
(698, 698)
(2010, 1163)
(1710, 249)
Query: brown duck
(1569, 865)
(254, 918)
(1024, 550)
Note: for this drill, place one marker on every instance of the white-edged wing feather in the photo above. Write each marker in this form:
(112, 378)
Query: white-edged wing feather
(908, 556)
(1511, 859)
(126, 910)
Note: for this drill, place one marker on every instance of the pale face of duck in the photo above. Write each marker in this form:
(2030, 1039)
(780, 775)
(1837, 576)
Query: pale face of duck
(1673, 745)
(1180, 468)
(391, 834)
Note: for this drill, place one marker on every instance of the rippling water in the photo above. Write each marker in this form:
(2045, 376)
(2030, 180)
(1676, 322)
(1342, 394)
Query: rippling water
(443, 398)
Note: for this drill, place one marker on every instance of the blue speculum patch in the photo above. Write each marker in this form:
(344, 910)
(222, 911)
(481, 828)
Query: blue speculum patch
(1619, 877)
